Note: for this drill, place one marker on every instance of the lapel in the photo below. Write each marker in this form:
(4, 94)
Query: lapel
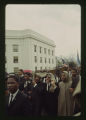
(15, 99)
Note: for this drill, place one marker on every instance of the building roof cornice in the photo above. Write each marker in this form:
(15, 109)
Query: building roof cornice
(19, 34)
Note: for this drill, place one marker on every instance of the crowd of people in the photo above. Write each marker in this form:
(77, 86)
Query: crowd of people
(44, 94)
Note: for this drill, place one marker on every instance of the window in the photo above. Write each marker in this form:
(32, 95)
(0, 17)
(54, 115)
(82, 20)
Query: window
(40, 68)
(35, 68)
(52, 52)
(49, 60)
(45, 68)
(40, 49)
(48, 51)
(16, 69)
(40, 59)
(45, 50)
(15, 48)
(35, 48)
(45, 60)
(52, 61)
(35, 59)
(15, 59)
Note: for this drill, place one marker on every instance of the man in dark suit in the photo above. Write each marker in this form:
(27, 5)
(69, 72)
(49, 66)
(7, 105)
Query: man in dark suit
(21, 80)
(51, 96)
(17, 103)
(36, 96)
(75, 79)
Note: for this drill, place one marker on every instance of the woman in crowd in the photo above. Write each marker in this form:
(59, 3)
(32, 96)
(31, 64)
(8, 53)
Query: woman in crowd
(64, 98)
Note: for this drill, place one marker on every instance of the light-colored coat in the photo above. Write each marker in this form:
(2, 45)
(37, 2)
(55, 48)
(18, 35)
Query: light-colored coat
(64, 99)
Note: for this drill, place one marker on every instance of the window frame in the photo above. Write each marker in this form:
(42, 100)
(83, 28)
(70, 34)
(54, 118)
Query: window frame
(15, 48)
(14, 61)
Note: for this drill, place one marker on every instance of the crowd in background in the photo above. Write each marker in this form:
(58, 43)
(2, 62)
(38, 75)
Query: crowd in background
(44, 93)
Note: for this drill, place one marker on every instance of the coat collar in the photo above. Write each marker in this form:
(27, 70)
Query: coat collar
(14, 101)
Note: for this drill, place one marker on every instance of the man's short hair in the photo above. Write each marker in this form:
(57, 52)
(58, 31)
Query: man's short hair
(27, 73)
(21, 70)
(74, 69)
(15, 77)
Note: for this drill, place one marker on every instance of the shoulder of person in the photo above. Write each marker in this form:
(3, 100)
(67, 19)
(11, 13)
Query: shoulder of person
(77, 114)
(22, 95)
(7, 96)
(60, 83)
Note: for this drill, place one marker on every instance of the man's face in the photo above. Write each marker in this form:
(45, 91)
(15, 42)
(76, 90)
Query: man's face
(12, 85)
(20, 73)
(37, 79)
(73, 73)
(63, 77)
(26, 77)
(48, 79)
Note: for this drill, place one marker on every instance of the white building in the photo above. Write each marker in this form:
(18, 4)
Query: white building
(28, 50)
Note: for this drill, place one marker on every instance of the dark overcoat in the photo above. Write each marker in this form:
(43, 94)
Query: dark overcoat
(19, 106)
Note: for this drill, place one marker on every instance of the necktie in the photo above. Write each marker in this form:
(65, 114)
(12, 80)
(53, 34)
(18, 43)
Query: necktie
(11, 98)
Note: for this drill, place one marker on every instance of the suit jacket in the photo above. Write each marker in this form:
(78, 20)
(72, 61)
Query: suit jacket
(74, 81)
(36, 101)
(21, 83)
(19, 106)
(51, 101)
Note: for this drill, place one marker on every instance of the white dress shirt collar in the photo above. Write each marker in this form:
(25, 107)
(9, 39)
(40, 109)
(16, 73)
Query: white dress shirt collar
(14, 95)
(35, 85)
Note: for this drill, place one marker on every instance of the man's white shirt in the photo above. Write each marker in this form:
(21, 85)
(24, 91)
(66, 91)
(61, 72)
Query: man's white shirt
(14, 95)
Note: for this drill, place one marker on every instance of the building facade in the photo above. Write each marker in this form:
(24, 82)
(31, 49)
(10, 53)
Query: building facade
(28, 50)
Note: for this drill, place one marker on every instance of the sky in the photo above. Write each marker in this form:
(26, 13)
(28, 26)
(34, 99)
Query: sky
(59, 22)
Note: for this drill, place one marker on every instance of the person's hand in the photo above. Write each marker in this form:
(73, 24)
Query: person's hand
(71, 90)
(47, 81)
(53, 83)
(33, 82)
(29, 92)
(22, 91)
(29, 97)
